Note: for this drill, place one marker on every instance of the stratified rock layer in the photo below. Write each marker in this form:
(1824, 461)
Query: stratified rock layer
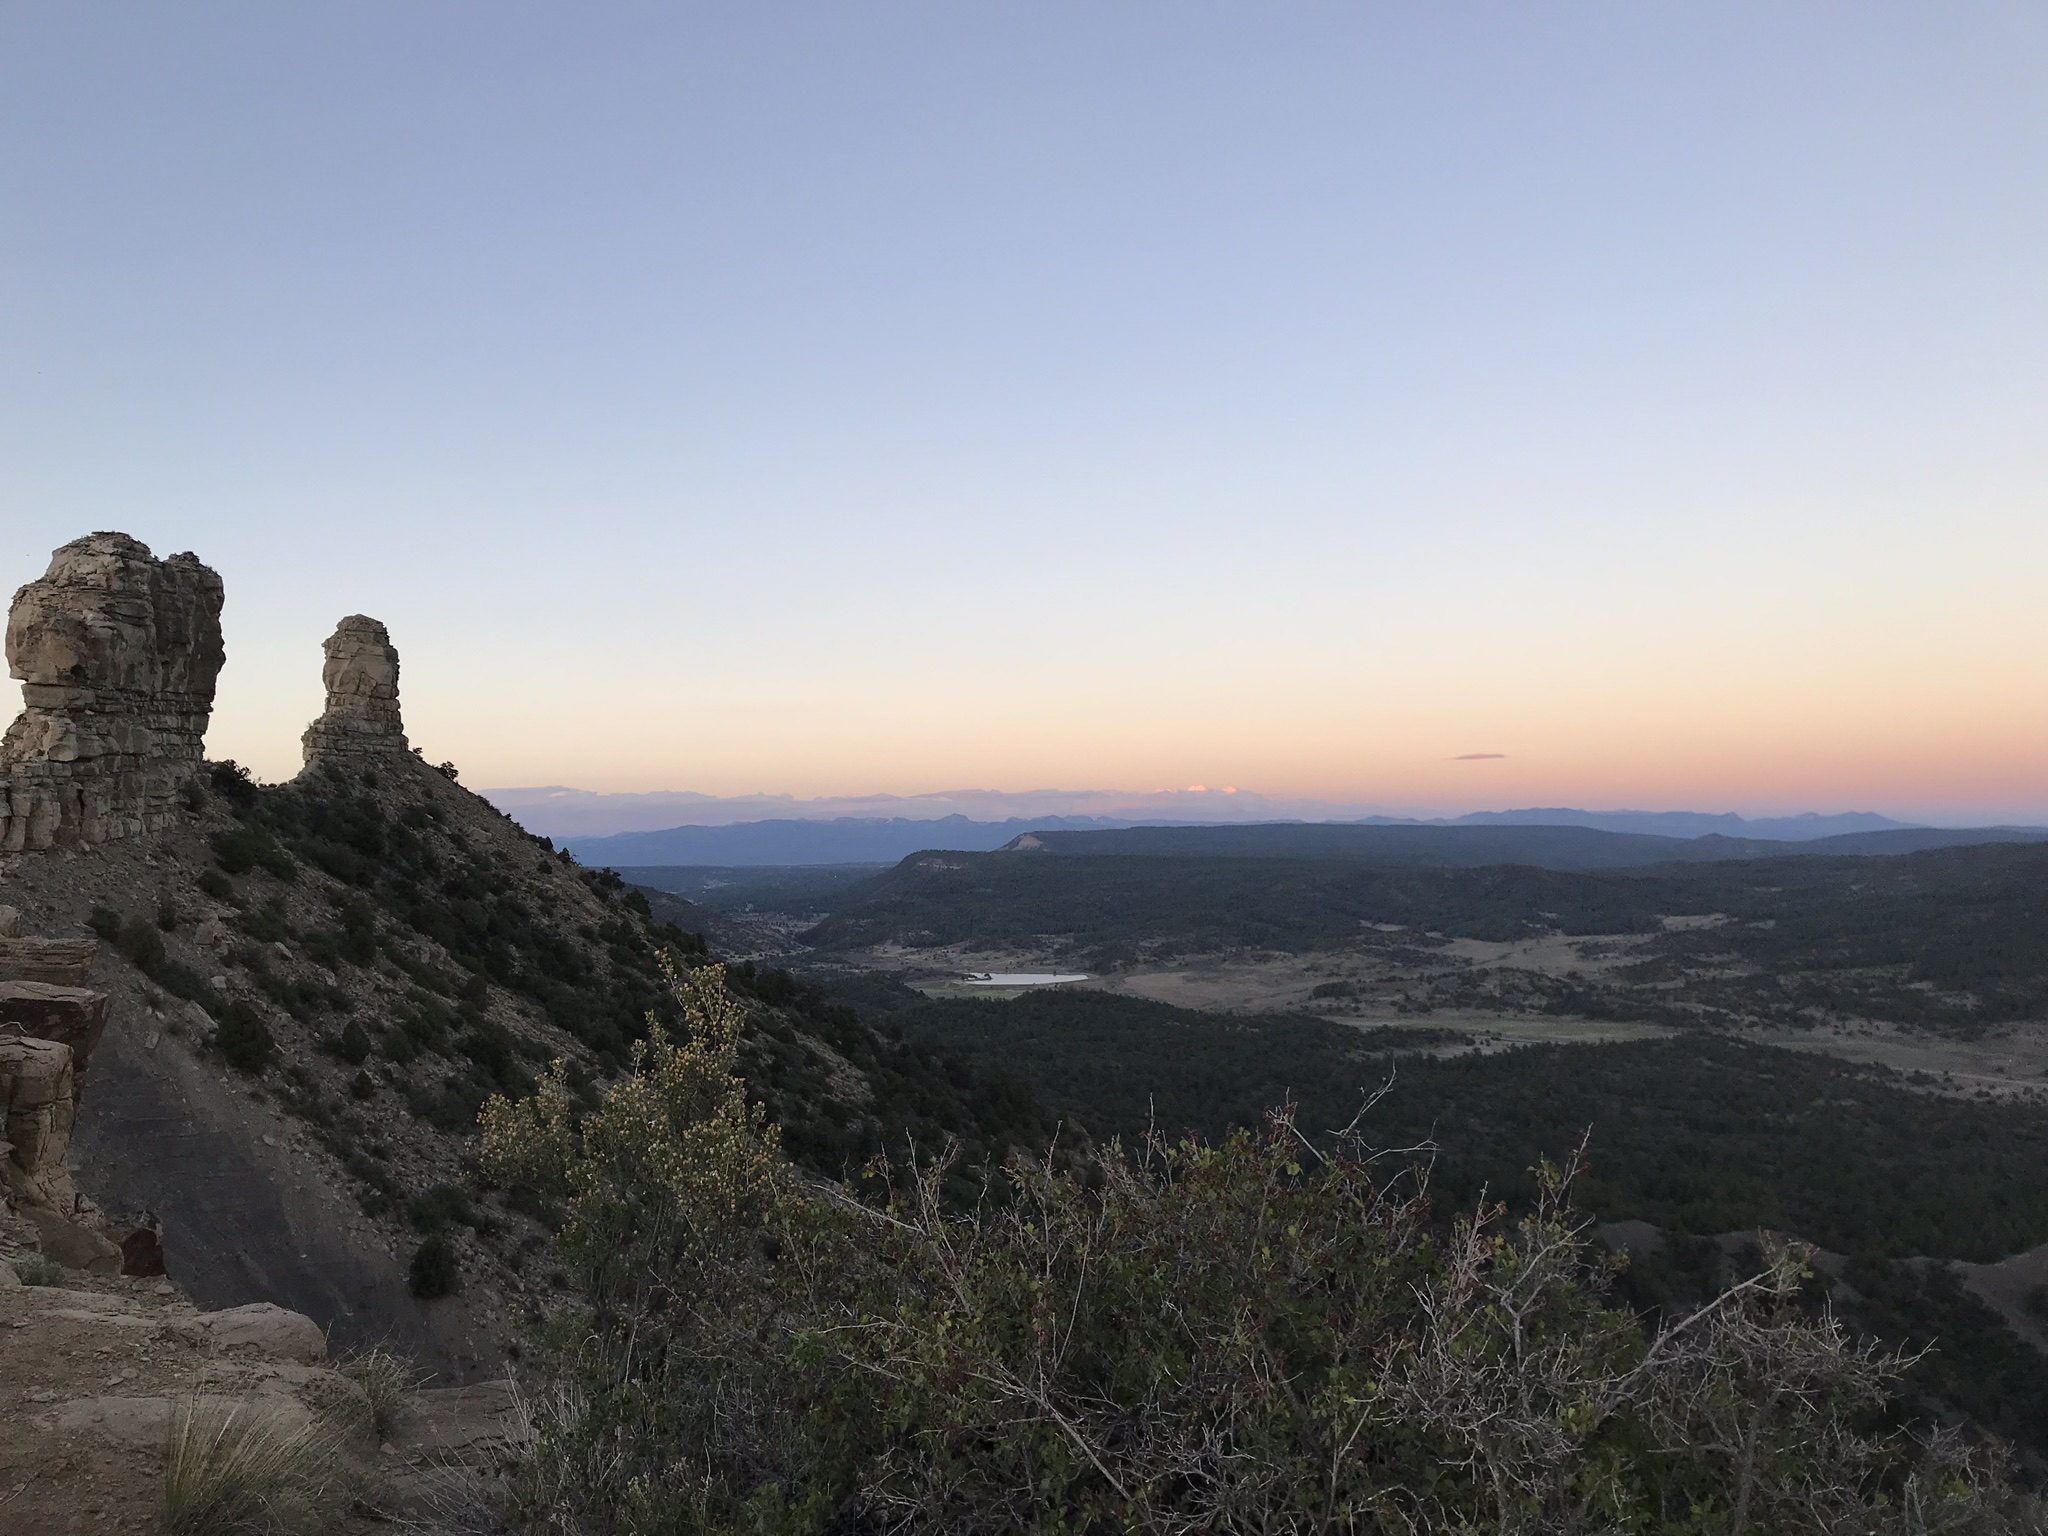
(361, 722)
(61, 962)
(38, 1103)
(75, 1016)
(117, 653)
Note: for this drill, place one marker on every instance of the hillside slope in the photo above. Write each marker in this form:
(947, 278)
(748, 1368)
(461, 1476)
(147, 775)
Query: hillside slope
(298, 1047)
(314, 986)
(409, 951)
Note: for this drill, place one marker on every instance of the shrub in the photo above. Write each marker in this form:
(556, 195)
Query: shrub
(386, 1379)
(166, 914)
(37, 1270)
(435, 1271)
(181, 980)
(353, 1044)
(443, 1206)
(246, 846)
(242, 1467)
(142, 944)
(243, 1038)
(1268, 1333)
(267, 924)
(215, 884)
(231, 781)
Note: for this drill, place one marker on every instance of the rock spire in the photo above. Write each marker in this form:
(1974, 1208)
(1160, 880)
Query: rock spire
(117, 653)
(361, 721)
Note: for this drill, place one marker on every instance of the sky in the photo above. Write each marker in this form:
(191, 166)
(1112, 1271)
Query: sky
(835, 400)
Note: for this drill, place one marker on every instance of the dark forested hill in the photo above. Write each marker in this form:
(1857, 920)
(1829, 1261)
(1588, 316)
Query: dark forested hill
(1695, 1134)
(1464, 847)
(1957, 935)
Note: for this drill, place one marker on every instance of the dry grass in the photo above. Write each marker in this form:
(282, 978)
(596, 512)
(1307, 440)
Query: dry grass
(245, 1467)
(448, 1498)
(387, 1379)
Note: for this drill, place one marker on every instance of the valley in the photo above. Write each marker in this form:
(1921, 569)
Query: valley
(248, 1031)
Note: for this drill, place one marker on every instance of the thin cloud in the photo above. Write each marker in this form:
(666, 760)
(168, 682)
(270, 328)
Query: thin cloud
(1476, 757)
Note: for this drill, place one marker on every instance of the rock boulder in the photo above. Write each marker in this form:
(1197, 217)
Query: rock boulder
(73, 1244)
(267, 1329)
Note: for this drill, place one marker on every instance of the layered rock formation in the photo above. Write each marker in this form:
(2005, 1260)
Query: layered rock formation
(361, 722)
(117, 653)
(38, 1104)
(47, 1035)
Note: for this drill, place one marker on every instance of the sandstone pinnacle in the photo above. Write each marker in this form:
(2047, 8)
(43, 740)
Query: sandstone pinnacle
(361, 720)
(117, 653)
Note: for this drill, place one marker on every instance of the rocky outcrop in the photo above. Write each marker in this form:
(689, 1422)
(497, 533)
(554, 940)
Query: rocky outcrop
(361, 722)
(38, 1102)
(96, 1376)
(117, 653)
(47, 1035)
(75, 1017)
(60, 962)
(267, 1328)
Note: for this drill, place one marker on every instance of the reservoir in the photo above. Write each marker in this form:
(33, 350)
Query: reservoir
(1023, 978)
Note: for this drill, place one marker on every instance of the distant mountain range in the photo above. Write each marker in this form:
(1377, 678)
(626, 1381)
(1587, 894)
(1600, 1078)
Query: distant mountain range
(554, 811)
(1603, 838)
(577, 816)
(1795, 829)
(842, 840)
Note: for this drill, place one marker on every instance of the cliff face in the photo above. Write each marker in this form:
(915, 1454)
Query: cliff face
(117, 653)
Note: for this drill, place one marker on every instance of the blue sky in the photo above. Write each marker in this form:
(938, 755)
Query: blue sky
(829, 399)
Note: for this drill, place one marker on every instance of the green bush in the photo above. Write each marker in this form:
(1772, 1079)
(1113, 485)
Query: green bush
(267, 924)
(443, 1206)
(142, 943)
(243, 1038)
(1254, 1335)
(435, 1271)
(353, 1044)
(231, 781)
(215, 884)
(37, 1270)
(246, 846)
(135, 939)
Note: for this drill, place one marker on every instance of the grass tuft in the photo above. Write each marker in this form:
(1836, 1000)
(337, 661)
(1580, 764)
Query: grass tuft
(386, 1378)
(243, 1469)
